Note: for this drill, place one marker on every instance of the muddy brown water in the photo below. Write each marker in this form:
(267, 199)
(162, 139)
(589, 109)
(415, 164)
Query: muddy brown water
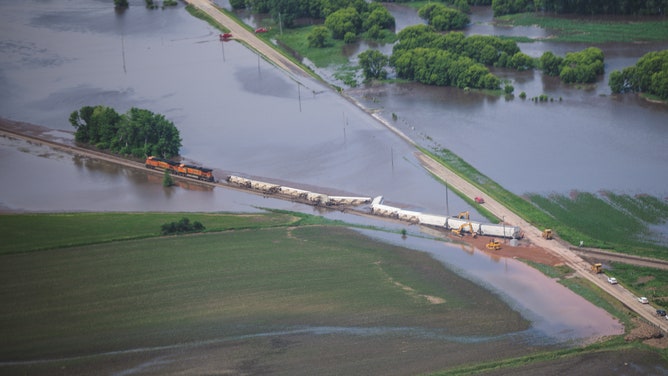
(239, 113)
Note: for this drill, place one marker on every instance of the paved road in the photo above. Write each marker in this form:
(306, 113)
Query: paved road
(532, 233)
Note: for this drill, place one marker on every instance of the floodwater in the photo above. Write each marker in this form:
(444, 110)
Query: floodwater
(586, 139)
(555, 312)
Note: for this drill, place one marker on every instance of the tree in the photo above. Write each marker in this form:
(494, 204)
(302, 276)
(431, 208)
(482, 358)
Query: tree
(121, 3)
(550, 63)
(373, 64)
(138, 132)
(318, 37)
(521, 61)
(649, 75)
(443, 18)
(582, 66)
(238, 4)
(344, 21)
(378, 16)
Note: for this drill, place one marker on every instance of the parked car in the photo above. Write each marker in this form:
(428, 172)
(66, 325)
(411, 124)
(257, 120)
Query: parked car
(643, 300)
(612, 280)
(660, 312)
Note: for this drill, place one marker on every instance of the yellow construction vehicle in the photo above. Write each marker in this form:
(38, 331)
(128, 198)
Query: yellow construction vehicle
(547, 233)
(460, 231)
(463, 215)
(494, 245)
(597, 268)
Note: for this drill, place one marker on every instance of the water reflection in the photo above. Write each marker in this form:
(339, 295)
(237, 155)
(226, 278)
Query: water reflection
(555, 311)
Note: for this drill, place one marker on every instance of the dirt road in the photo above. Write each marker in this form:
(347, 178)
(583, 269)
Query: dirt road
(532, 233)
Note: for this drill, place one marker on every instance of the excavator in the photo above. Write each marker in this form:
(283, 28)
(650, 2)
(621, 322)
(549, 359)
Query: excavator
(463, 215)
(460, 231)
(547, 234)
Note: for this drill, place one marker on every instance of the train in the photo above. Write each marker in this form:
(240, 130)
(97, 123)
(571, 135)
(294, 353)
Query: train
(446, 222)
(181, 169)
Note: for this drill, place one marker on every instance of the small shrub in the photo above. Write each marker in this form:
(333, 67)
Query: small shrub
(167, 180)
(181, 227)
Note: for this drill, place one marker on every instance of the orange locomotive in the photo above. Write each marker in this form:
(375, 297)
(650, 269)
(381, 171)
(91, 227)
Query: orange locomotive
(181, 169)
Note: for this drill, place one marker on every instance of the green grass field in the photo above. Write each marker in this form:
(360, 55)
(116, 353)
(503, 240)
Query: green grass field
(593, 29)
(30, 232)
(259, 273)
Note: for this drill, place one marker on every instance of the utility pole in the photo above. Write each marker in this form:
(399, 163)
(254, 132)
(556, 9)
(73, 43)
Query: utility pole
(503, 219)
(447, 207)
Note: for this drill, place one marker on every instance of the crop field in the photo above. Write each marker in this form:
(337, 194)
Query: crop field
(597, 29)
(252, 299)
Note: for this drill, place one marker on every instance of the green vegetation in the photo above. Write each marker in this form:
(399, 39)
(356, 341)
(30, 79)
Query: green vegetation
(298, 40)
(643, 281)
(346, 19)
(443, 18)
(582, 7)
(167, 180)
(577, 67)
(116, 294)
(618, 222)
(138, 133)
(431, 58)
(373, 64)
(36, 232)
(591, 30)
(649, 75)
(183, 226)
(121, 3)
(611, 221)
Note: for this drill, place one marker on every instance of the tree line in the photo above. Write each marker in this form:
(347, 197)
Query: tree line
(577, 67)
(343, 19)
(137, 133)
(649, 75)
(452, 59)
(424, 55)
(583, 7)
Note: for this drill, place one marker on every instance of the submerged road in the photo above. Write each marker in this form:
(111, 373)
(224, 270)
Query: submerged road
(533, 234)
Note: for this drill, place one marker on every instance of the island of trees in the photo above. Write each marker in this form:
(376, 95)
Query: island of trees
(137, 133)
(434, 54)
(649, 75)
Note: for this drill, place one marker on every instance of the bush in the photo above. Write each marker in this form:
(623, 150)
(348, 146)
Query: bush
(181, 227)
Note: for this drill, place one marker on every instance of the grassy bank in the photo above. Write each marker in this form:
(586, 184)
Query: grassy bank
(598, 29)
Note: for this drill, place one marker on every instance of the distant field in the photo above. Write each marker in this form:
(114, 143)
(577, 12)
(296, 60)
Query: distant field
(29, 232)
(593, 29)
(165, 291)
